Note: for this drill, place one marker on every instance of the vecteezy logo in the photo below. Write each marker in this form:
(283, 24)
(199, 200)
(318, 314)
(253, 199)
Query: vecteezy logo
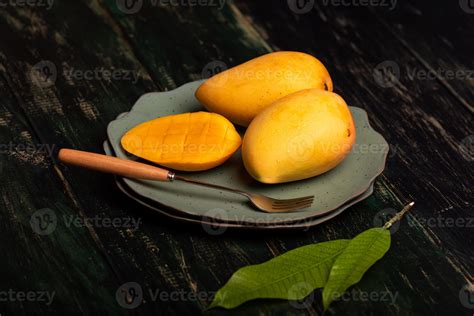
(467, 6)
(211, 219)
(129, 295)
(301, 6)
(129, 6)
(44, 74)
(384, 216)
(44, 221)
(466, 296)
(467, 148)
(301, 148)
(301, 295)
(133, 144)
(213, 68)
(387, 74)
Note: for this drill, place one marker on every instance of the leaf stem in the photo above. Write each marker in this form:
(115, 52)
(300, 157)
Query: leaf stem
(398, 216)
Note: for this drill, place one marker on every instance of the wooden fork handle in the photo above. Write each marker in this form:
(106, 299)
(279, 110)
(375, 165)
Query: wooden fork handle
(117, 166)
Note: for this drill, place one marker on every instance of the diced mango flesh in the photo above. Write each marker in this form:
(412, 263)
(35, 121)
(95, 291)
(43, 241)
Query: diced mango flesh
(187, 142)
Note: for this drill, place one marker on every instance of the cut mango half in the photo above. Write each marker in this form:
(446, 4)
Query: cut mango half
(187, 142)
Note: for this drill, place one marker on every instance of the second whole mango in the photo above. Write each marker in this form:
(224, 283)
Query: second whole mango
(299, 136)
(240, 93)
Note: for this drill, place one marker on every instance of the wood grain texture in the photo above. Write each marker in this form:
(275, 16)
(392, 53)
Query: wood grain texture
(59, 258)
(444, 50)
(167, 46)
(424, 123)
(73, 110)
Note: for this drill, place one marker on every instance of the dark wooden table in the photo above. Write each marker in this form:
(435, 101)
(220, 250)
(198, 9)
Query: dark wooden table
(411, 68)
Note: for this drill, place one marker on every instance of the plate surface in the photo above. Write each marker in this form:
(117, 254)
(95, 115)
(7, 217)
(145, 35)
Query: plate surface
(332, 190)
(214, 219)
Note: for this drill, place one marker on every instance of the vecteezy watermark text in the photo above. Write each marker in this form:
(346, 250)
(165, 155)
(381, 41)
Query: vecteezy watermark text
(190, 3)
(48, 4)
(446, 74)
(45, 221)
(444, 222)
(102, 74)
(102, 222)
(45, 74)
(362, 296)
(131, 294)
(134, 6)
(12, 295)
(305, 6)
(29, 148)
(387, 74)
(218, 67)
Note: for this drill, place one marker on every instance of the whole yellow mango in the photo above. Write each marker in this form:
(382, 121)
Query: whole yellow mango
(241, 92)
(188, 142)
(299, 136)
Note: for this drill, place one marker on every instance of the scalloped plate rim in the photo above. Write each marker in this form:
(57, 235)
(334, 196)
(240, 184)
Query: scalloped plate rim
(216, 222)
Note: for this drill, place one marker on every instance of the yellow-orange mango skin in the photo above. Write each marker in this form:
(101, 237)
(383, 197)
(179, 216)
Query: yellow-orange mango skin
(299, 136)
(187, 142)
(241, 92)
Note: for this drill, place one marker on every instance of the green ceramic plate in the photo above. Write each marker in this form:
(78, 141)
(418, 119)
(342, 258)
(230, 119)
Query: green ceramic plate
(214, 223)
(331, 190)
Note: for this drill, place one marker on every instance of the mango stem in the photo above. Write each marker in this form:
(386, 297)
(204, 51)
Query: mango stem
(398, 216)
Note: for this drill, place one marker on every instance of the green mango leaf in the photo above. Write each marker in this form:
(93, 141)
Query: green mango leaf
(292, 275)
(361, 253)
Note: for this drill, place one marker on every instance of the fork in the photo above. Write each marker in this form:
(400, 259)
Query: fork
(137, 170)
